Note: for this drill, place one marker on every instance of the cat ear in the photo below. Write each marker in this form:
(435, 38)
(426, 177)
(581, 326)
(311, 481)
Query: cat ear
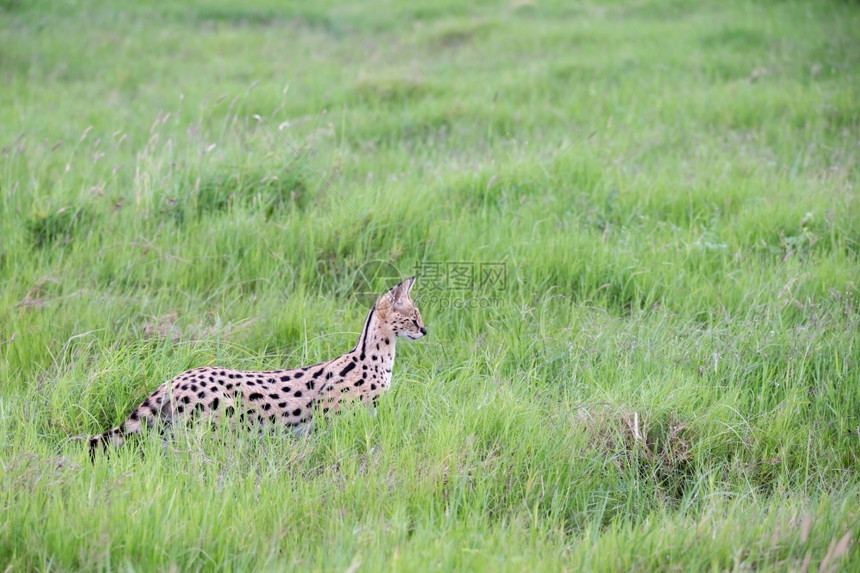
(401, 291)
(395, 295)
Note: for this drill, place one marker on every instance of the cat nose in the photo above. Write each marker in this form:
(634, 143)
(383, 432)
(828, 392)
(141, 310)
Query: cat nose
(423, 331)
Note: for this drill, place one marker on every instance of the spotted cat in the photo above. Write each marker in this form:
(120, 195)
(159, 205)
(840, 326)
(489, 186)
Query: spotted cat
(284, 397)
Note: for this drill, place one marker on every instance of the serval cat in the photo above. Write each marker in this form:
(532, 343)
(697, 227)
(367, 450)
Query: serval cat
(284, 397)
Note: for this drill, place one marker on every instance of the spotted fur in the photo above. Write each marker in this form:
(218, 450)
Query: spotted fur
(284, 397)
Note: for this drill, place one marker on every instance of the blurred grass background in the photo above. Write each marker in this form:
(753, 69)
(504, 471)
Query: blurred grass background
(667, 378)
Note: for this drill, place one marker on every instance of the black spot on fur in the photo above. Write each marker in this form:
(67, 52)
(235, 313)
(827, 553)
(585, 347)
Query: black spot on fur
(186, 399)
(267, 407)
(285, 378)
(298, 394)
(298, 375)
(347, 368)
(282, 405)
(359, 383)
(214, 405)
(201, 394)
(317, 373)
(297, 412)
(255, 396)
(373, 386)
(310, 385)
(229, 410)
(180, 408)
(274, 397)
(133, 415)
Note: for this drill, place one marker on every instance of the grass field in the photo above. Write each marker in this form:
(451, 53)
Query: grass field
(635, 227)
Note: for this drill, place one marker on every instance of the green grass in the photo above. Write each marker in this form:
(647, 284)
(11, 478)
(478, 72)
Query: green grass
(669, 379)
